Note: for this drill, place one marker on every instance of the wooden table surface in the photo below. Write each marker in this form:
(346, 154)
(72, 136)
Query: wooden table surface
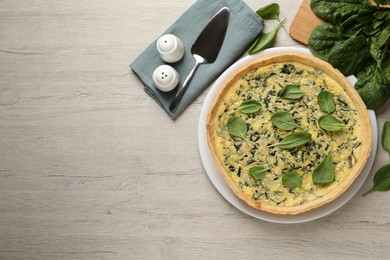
(91, 167)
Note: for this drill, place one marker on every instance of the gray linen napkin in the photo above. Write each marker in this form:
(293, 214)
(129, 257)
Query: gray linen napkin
(244, 26)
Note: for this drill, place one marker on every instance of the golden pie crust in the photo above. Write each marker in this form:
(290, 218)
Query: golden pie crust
(213, 128)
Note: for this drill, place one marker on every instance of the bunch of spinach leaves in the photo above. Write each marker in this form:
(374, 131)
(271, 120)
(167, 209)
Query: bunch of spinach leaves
(382, 2)
(356, 40)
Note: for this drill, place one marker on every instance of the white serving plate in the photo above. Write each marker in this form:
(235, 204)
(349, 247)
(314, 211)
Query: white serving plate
(219, 182)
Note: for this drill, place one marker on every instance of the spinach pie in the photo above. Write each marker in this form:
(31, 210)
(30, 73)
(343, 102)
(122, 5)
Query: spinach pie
(288, 133)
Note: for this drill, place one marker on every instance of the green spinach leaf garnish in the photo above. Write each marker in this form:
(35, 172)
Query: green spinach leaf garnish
(258, 172)
(326, 102)
(237, 127)
(294, 140)
(284, 120)
(291, 92)
(324, 172)
(330, 123)
(250, 106)
(291, 180)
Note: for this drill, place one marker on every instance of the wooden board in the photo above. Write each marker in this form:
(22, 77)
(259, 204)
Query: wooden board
(304, 23)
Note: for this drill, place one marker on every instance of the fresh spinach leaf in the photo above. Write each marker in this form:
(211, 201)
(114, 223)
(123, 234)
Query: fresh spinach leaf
(284, 120)
(381, 180)
(263, 41)
(324, 172)
(386, 136)
(351, 27)
(336, 11)
(382, 2)
(372, 29)
(270, 11)
(382, 14)
(330, 123)
(376, 52)
(291, 92)
(291, 180)
(385, 65)
(326, 102)
(365, 16)
(250, 106)
(372, 86)
(294, 140)
(351, 55)
(322, 40)
(383, 36)
(348, 54)
(258, 172)
(237, 127)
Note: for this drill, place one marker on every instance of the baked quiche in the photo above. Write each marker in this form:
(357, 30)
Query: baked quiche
(288, 133)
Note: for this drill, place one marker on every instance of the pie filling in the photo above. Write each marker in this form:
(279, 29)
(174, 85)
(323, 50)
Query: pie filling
(264, 84)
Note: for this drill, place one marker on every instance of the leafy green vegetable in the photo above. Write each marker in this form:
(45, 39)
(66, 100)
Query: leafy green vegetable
(335, 11)
(326, 102)
(330, 123)
(324, 172)
(291, 92)
(284, 120)
(382, 176)
(294, 140)
(351, 27)
(386, 136)
(250, 106)
(291, 180)
(264, 40)
(385, 64)
(258, 172)
(355, 40)
(351, 55)
(381, 180)
(270, 11)
(322, 40)
(372, 87)
(382, 2)
(237, 127)
(371, 29)
(383, 36)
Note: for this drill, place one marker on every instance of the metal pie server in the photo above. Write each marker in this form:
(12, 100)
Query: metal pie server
(205, 49)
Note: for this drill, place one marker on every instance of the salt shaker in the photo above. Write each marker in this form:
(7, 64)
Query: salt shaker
(170, 48)
(165, 78)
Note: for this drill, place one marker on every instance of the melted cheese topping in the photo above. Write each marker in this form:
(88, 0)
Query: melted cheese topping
(264, 85)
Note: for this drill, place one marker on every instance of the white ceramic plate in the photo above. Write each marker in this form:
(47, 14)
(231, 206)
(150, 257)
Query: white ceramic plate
(219, 182)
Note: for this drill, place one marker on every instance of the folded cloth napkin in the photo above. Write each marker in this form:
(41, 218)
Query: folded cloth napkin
(244, 26)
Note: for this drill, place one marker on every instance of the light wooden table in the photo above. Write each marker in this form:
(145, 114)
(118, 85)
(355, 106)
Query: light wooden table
(91, 167)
